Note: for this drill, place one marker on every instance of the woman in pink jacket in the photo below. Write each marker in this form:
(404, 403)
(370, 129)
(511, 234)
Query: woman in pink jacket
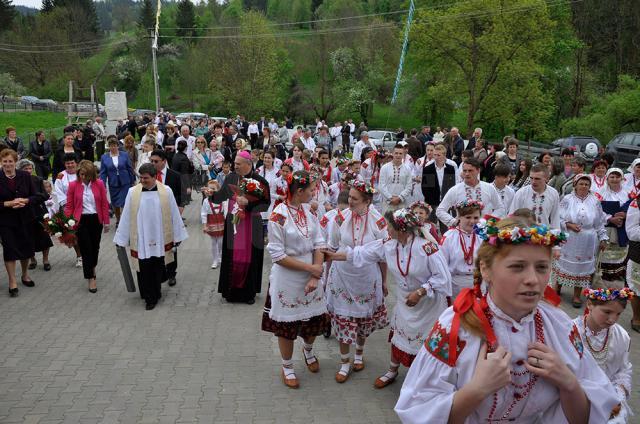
(87, 204)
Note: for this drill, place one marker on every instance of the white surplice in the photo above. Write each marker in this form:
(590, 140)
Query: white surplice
(151, 240)
(428, 390)
(427, 269)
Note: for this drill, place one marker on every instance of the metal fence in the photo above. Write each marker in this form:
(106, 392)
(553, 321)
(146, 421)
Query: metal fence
(13, 106)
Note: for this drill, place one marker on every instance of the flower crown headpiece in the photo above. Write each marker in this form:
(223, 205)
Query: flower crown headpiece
(363, 187)
(341, 161)
(609, 294)
(347, 176)
(299, 178)
(405, 220)
(487, 229)
(469, 203)
(421, 204)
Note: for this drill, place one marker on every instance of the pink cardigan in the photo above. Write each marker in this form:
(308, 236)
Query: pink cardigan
(73, 207)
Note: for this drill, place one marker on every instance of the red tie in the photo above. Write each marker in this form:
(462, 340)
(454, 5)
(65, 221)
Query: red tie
(159, 176)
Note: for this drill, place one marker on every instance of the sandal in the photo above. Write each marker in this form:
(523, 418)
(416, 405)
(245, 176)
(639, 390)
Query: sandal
(385, 379)
(313, 366)
(291, 382)
(358, 365)
(342, 375)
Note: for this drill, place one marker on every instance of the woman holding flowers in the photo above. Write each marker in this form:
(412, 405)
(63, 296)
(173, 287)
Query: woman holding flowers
(423, 283)
(508, 354)
(243, 240)
(17, 192)
(355, 294)
(88, 208)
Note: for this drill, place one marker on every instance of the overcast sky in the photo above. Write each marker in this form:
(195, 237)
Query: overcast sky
(30, 3)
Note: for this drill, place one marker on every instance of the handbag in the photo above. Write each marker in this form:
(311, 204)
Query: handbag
(215, 221)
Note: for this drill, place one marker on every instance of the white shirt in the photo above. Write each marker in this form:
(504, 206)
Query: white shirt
(394, 181)
(163, 174)
(88, 200)
(191, 141)
(308, 143)
(506, 194)
(114, 159)
(359, 147)
(273, 127)
(335, 132)
(545, 206)
(455, 167)
(483, 192)
(461, 269)
(253, 129)
(61, 186)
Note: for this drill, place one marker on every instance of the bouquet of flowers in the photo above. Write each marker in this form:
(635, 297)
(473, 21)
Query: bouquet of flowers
(62, 227)
(252, 190)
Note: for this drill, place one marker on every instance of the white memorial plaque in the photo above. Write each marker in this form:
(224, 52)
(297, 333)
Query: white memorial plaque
(115, 104)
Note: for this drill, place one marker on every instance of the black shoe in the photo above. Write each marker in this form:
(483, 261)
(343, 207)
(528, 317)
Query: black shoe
(93, 290)
(29, 283)
(33, 264)
(47, 267)
(150, 306)
(171, 282)
(14, 292)
(251, 301)
(327, 334)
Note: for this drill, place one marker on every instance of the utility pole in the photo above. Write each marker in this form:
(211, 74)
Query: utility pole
(154, 49)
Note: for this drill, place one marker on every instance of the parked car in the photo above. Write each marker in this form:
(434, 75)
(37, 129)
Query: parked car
(29, 100)
(578, 142)
(625, 147)
(196, 116)
(382, 138)
(218, 118)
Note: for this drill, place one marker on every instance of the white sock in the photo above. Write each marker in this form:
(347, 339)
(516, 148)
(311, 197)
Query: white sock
(357, 358)
(389, 375)
(287, 368)
(345, 367)
(308, 353)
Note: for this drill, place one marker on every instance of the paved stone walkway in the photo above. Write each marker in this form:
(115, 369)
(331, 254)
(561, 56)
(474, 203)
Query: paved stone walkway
(70, 356)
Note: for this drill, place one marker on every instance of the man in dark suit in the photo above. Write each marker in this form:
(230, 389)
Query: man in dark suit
(171, 179)
(262, 123)
(437, 178)
(477, 135)
(455, 145)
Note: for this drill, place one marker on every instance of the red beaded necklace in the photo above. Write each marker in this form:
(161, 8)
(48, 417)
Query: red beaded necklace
(355, 216)
(406, 271)
(468, 253)
(300, 219)
(525, 388)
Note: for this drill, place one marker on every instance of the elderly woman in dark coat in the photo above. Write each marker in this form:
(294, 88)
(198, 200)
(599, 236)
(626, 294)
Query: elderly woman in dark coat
(182, 165)
(17, 192)
(41, 239)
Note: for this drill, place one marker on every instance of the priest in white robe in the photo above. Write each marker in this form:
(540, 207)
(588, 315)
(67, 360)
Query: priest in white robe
(151, 225)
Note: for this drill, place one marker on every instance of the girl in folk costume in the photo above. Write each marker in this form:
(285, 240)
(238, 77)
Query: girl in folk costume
(460, 245)
(52, 202)
(423, 283)
(342, 164)
(598, 175)
(427, 230)
(346, 179)
(632, 226)
(296, 161)
(370, 172)
(613, 259)
(320, 198)
(582, 218)
(280, 188)
(295, 306)
(506, 355)
(213, 216)
(608, 342)
(355, 294)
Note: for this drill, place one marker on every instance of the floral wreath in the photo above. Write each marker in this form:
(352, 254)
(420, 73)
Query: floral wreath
(487, 229)
(363, 187)
(341, 161)
(405, 220)
(347, 176)
(421, 204)
(469, 203)
(299, 178)
(609, 294)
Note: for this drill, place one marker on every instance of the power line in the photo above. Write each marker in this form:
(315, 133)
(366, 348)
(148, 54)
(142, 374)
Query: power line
(72, 50)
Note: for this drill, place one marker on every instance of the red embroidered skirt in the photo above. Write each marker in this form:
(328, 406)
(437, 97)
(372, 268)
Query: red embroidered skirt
(215, 225)
(401, 356)
(313, 326)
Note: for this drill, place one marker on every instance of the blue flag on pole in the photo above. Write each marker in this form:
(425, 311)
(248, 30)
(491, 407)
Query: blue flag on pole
(404, 52)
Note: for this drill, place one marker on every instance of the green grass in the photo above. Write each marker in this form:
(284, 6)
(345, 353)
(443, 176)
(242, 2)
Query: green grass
(386, 116)
(27, 123)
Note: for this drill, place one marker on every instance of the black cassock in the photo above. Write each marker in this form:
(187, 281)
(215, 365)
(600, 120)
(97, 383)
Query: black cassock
(228, 285)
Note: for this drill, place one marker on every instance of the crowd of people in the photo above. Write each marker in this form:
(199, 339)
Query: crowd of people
(480, 241)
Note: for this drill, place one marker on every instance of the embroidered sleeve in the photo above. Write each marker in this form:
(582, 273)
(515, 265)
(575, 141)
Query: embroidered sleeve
(381, 223)
(324, 221)
(430, 248)
(576, 340)
(339, 218)
(278, 218)
(437, 344)
(598, 196)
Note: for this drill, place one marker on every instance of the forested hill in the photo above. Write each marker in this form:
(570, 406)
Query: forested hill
(535, 68)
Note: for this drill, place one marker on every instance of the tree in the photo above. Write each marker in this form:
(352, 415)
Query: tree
(87, 9)
(147, 17)
(185, 19)
(47, 6)
(478, 50)
(7, 14)
(9, 86)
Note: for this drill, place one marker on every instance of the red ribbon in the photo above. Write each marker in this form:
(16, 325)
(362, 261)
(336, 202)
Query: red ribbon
(466, 301)
(551, 296)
